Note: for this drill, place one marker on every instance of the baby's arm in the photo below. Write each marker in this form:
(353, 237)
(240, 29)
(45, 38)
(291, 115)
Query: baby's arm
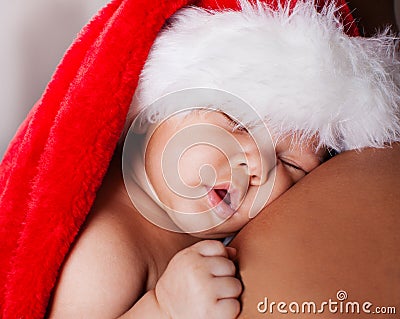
(105, 276)
(199, 283)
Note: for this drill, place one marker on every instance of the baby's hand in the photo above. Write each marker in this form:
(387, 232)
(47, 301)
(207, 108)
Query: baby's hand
(200, 283)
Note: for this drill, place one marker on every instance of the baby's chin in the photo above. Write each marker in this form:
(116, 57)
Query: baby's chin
(217, 232)
(212, 235)
(209, 225)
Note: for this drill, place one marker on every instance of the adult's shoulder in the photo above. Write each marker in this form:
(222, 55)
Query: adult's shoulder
(334, 233)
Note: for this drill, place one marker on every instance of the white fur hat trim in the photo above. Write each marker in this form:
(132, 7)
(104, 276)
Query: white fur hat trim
(298, 69)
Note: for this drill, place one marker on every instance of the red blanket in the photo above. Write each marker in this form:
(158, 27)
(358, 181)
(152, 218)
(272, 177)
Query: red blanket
(58, 157)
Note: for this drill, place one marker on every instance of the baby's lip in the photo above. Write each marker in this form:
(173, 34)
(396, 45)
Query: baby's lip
(224, 199)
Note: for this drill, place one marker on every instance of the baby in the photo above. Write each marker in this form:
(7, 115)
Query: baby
(118, 267)
(201, 165)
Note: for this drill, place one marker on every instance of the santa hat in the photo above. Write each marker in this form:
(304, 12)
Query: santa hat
(293, 64)
(55, 163)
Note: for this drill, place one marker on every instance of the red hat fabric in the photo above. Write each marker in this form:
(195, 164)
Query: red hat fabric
(55, 163)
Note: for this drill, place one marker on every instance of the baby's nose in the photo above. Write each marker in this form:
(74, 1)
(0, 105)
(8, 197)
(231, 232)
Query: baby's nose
(255, 165)
(258, 171)
(256, 162)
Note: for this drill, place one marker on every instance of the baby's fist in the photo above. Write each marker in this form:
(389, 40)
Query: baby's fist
(200, 283)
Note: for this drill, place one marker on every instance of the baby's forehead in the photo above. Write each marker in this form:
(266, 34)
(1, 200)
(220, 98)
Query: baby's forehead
(294, 140)
(298, 143)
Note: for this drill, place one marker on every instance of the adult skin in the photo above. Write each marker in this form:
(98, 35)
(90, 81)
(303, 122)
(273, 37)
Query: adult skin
(337, 229)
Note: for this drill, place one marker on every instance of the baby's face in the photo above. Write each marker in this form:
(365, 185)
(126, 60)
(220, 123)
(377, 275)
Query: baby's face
(208, 174)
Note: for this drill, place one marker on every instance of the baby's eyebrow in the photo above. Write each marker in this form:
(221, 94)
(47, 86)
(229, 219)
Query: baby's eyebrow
(229, 117)
(234, 123)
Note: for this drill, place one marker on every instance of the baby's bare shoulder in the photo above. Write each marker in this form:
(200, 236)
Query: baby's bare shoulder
(106, 270)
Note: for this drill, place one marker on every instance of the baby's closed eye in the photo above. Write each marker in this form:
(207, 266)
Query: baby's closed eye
(293, 165)
(292, 168)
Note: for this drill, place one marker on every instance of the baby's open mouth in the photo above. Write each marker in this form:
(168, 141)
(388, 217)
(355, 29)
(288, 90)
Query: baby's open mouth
(221, 202)
(224, 195)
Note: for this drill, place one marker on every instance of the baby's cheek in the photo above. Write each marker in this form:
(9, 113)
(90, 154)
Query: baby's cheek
(202, 165)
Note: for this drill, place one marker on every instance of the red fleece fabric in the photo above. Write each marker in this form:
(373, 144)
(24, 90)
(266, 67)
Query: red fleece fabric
(56, 162)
